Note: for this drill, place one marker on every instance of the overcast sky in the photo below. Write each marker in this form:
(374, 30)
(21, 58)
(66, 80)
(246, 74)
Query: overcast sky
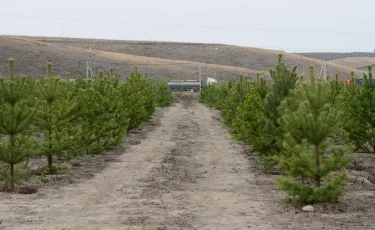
(290, 25)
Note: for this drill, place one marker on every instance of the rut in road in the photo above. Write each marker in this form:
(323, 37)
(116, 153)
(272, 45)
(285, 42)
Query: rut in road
(187, 174)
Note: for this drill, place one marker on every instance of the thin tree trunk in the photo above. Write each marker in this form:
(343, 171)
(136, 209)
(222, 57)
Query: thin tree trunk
(12, 143)
(49, 158)
(12, 177)
(317, 164)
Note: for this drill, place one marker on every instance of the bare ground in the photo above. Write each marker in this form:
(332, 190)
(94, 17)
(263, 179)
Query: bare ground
(186, 174)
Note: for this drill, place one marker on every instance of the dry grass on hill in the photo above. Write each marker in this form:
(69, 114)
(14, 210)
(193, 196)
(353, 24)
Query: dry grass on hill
(159, 59)
(360, 63)
(31, 58)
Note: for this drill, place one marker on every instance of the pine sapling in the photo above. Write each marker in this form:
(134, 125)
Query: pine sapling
(284, 81)
(358, 103)
(55, 116)
(313, 162)
(16, 116)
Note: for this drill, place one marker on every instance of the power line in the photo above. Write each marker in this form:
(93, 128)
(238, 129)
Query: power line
(191, 26)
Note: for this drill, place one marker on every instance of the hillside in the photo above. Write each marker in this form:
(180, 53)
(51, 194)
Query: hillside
(159, 59)
(257, 59)
(31, 58)
(318, 55)
(360, 63)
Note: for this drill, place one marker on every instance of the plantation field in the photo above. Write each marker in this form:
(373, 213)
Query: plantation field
(112, 153)
(182, 170)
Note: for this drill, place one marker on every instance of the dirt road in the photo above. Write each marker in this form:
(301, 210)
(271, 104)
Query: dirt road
(187, 173)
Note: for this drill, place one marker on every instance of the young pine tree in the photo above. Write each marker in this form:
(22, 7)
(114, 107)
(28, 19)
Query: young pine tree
(247, 122)
(103, 118)
(236, 95)
(313, 163)
(16, 117)
(337, 87)
(135, 94)
(214, 95)
(118, 113)
(55, 116)
(163, 94)
(284, 81)
(358, 103)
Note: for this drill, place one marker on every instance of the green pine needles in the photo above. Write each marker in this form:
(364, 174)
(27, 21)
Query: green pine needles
(313, 163)
(358, 103)
(284, 81)
(249, 118)
(54, 118)
(60, 118)
(16, 117)
(301, 130)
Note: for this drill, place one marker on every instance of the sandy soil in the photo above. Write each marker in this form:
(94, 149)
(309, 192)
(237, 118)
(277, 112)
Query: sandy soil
(187, 173)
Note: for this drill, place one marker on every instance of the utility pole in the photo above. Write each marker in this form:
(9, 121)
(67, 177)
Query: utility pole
(200, 77)
(215, 62)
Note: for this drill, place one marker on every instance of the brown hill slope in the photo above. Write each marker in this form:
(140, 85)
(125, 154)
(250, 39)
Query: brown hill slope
(245, 57)
(173, 60)
(360, 63)
(32, 56)
(319, 55)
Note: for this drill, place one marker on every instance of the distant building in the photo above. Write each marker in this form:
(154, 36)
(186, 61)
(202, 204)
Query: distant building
(184, 85)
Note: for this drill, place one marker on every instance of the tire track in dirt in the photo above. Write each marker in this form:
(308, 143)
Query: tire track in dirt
(111, 200)
(187, 174)
(174, 175)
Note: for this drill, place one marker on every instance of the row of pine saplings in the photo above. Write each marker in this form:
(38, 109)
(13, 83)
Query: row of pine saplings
(60, 119)
(305, 129)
